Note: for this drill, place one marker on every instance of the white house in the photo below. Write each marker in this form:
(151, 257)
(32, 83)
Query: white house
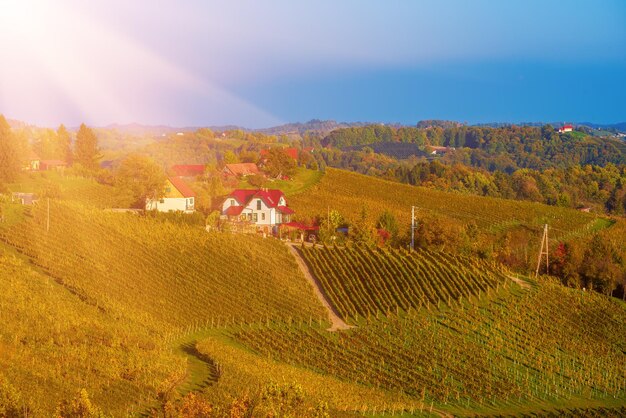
(178, 196)
(264, 207)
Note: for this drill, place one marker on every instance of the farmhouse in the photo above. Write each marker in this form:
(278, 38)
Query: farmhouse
(178, 196)
(33, 162)
(240, 170)
(265, 208)
(566, 128)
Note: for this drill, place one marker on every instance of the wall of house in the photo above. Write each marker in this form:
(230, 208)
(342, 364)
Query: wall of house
(168, 204)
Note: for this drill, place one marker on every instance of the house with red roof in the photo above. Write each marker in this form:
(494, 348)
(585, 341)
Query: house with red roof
(566, 128)
(177, 196)
(240, 170)
(265, 208)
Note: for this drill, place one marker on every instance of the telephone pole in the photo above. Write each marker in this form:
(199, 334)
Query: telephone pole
(544, 243)
(413, 226)
(48, 217)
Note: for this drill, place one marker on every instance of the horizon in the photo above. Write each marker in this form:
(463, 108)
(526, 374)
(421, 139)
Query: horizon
(287, 63)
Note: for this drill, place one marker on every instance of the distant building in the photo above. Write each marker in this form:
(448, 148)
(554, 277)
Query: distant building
(265, 208)
(240, 170)
(52, 165)
(178, 196)
(435, 150)
(566, 128)
(24, 198)
(33, 162)
(188, 170)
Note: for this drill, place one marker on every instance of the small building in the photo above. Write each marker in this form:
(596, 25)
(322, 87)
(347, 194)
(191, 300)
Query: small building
(33, 162)
(188, 170)
(566, 128)
(178, 196)
(265, 208)
(45, 165)
(435, 150)
(239, 170)
(24, 198)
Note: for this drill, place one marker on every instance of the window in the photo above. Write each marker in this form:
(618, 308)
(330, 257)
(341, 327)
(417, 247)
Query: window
(232, 202)
(249, 216)
(255, 217)
(161, 201)
(168, 189)
(191, 200)
(263, 216)
(258, 204)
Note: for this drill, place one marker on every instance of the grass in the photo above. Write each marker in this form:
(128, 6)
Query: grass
(301, 181)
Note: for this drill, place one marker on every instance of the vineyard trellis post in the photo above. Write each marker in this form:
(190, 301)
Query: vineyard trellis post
(544, 243)
(48, 217)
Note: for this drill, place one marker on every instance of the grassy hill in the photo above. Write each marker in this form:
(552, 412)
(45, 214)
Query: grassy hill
(349, 192)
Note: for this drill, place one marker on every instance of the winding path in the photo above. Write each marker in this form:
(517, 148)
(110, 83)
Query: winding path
(335, 320)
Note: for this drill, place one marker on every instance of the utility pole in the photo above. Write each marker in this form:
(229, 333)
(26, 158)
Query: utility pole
(413, 226)
(48, 217)
(544, 243)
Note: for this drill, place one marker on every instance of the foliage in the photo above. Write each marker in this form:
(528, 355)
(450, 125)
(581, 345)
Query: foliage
(141, 178)
(86, 148)
(9, 153)
(278, 163)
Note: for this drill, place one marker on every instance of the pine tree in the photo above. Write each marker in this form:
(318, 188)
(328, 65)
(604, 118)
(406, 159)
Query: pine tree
(9, 158)
(64, 145)
(87, 152)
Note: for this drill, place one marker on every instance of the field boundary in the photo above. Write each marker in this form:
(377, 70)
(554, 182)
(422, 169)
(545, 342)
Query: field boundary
(336, 322)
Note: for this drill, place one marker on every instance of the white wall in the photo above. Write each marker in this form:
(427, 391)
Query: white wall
(171, 204)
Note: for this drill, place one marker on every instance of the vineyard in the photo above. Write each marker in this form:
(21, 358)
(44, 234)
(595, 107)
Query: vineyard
(172, 275)
(363, 282)
(532, 347)
(52, 344)
(348, 192)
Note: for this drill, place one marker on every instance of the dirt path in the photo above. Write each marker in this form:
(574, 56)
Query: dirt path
(523, 283)
(336, 321)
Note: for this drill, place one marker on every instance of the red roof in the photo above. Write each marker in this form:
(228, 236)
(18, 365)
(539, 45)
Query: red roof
(285, 210)
(52, 163)
(292, 152)
(188, 170)
(271, 197)
(182, 187)
(242, 169)
(233, 210)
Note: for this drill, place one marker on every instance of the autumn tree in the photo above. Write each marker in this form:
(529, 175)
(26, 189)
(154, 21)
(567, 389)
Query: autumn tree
(9, 153)
(87, 152)
(278, 163)
(388, 222)
(141, 178)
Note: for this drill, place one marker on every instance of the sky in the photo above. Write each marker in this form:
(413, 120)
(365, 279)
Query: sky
(262, 63)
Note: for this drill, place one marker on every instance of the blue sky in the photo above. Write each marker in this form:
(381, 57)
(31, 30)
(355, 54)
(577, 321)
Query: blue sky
(258, 64)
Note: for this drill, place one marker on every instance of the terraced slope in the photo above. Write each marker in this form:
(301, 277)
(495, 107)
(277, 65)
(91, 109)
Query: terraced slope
(348, 192)
(361, 282)
(173, 275)
(525, 350)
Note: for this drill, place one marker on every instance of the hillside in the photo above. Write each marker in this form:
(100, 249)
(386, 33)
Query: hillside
(349, 192)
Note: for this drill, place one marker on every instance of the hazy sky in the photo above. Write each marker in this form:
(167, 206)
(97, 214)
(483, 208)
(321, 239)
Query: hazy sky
(261, 63)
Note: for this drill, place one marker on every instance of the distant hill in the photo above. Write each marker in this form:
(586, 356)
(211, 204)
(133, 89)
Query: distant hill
(314, 125)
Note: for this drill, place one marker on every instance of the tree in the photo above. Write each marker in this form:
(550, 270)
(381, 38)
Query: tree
(142, 178)
(230, 157)
(278, 163)
(388, 222)
(363, 231)
(9, 153)
(64, 145)
(87, 152)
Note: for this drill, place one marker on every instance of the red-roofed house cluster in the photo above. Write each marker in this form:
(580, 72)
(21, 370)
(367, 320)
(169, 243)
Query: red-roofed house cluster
(566, 128)
(266, 208)
(178, 196)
